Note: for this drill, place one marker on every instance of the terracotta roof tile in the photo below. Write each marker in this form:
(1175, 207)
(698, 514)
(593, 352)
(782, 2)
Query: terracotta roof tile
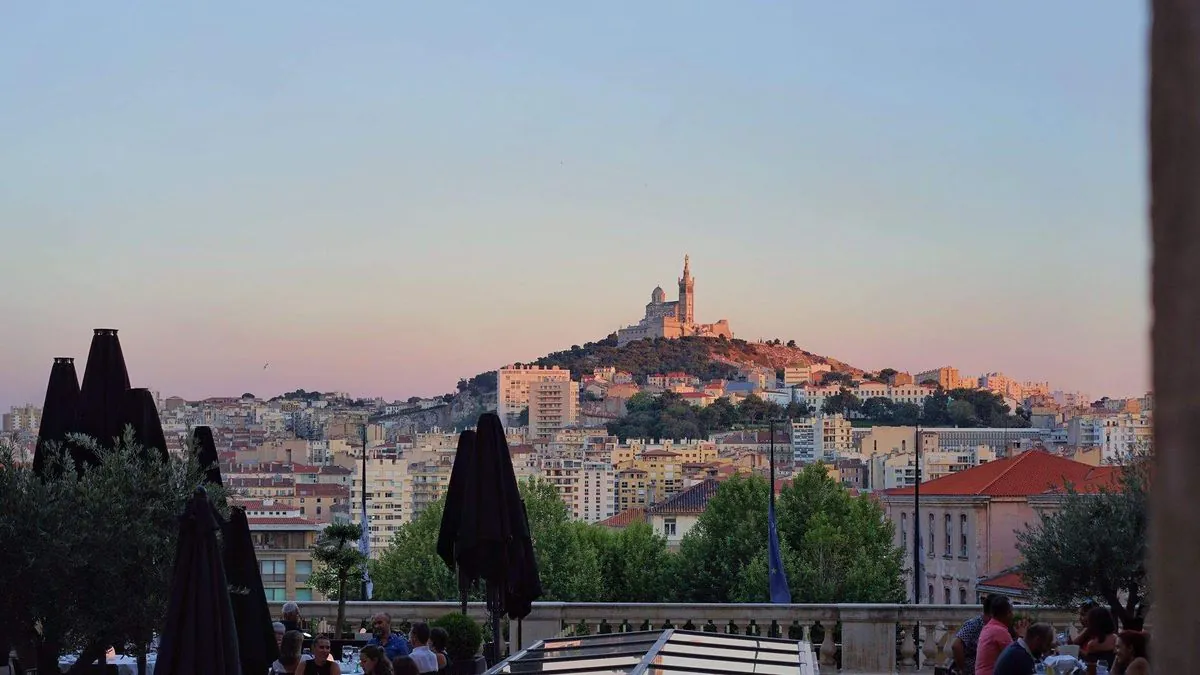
(691, 501)
(1029, 473)
(1011, 580)
(625, 518)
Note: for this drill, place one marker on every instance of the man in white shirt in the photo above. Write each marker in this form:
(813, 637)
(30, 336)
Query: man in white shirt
(421, 654)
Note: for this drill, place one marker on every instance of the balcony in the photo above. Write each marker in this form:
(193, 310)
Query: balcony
(868, 639)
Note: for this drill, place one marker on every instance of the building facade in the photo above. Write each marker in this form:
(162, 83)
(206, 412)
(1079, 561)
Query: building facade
(513, 385)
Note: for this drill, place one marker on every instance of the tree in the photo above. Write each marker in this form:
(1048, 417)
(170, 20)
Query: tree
(791, 343)
(961, 414)
(523, 418)
(878, 409)
(834, 377)
(1093, 545)
(570, 570)
(130, 496)
(410, 568)
(727, 536)
(634, 562)
(338, 562)
(844, 402)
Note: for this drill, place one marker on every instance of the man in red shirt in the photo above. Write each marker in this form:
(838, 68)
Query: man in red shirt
(996, 635)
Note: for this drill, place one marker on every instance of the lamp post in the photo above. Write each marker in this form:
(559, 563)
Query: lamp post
(366, 522)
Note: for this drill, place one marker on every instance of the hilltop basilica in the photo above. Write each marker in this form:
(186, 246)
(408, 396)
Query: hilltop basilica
(674, 319)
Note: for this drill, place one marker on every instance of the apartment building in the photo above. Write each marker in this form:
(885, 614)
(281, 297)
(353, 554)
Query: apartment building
(553, 406)
(946, 377)
(969, 520)
(283, 542)
(820, 438)
(23, 419)
(385, 491)
(801, 375)
(323, 503)
(513, 388)
(587, 488)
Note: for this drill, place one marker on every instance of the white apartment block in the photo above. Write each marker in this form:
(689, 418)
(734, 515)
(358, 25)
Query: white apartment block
(386, 489)
(799, 375)
(821, 438)
(553, 406)
(587, 488)
(22, 419)
(898, 469)
(513, 385)
(1124, 434)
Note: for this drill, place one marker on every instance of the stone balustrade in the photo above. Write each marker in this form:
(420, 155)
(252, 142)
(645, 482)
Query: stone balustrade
(857, 638)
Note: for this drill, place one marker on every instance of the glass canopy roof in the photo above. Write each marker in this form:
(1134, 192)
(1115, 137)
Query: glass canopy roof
(660, 652)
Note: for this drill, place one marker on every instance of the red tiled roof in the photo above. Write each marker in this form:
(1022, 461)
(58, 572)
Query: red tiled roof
(625, 518)
(520, 449)
(691, 501)
(659, 453)
(1011, 580)
(321, 490)
(285, 520)
(335, 470)
(1029, 473)
(694, 394)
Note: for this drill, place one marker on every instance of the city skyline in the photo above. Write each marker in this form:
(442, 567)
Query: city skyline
(387, 200)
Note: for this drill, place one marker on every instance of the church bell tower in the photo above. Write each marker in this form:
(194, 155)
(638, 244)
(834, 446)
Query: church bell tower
(684, 311)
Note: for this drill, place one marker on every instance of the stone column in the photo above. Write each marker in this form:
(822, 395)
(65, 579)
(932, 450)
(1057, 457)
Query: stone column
(1175, 228)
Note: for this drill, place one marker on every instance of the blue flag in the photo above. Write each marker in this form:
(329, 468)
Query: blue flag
(780, 593)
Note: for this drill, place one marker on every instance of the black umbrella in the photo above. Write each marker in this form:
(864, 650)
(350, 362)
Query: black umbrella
(485, 525)
(256, 637)
(102, 394)
(206, 454)
(59, 412)
(140, 412)
(200, 637)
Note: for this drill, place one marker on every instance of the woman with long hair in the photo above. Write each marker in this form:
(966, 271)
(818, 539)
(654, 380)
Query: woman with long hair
(1101, 642)
(1132, 653)
(374, 661)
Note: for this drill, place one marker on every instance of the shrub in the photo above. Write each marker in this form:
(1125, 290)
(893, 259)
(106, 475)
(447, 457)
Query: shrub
(466, 636)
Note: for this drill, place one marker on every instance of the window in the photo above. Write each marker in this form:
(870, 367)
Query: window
(962, 528)
(962, 596)
(948, 545)
(930, 596)
(303, 571)
(304, 595)
(273, 571)
(276, 594)
(904, 531)
(931, 545)
(947, 591)
(669, 527)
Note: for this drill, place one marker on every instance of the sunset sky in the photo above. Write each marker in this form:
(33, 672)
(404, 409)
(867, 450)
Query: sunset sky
(382, 197)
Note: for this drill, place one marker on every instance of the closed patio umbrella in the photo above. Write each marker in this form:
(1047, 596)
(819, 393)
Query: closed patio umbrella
(485, 526)
(102, 393)
(60, 410)
(140, 412)
(200, 635)
(206, 454)
(256, 637)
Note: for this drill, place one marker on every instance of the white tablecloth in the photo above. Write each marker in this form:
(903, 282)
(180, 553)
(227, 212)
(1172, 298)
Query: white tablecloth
(126, 665)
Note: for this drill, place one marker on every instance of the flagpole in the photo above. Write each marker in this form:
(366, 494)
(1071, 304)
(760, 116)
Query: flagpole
(771, 427)
(365, 521)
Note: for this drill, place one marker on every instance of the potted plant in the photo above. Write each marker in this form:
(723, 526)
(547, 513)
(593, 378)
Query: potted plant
(462, 646)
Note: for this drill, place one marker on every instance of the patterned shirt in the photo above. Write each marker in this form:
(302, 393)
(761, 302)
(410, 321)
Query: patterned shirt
(969, 634)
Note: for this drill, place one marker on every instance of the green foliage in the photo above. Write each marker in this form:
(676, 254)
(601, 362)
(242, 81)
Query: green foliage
(110, 529)
(643, 358)
(835, 547)
(668, 415)
(1094, 545)
(970, 408)
(523, 418)
(410, 569)
(465, 635)
(844, 402)
(339, 563)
